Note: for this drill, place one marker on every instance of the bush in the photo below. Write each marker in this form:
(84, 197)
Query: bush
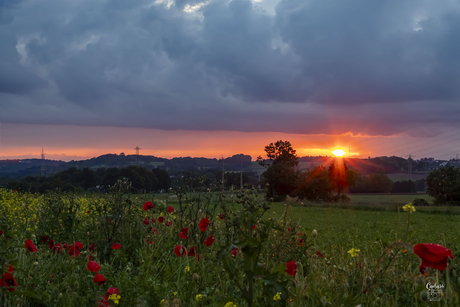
(444, 185)
(420, 202)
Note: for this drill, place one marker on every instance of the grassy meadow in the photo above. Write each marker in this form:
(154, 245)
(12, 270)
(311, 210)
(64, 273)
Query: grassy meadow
(221, 249)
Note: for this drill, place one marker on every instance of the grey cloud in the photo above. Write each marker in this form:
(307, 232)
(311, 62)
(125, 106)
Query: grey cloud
(311, 67)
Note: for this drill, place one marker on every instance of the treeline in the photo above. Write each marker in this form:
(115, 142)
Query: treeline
(380, 183)
(86, 179)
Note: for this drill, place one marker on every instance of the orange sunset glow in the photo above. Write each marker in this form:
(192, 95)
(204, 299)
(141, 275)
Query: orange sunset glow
(26, 141)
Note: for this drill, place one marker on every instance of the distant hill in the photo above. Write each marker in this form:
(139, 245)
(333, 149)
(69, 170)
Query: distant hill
(27, 167)
(32, 167)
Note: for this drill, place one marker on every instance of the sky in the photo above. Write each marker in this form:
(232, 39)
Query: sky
(197, 78)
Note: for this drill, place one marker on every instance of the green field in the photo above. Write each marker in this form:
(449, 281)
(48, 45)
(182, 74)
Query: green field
(363, 227)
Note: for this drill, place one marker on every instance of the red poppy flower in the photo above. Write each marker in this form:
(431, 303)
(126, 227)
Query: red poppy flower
(1, 233)
(45, 239)
(87, 211)
(204, 224)
(55, 247)
(183, 233)
(253, 228)
(30, 246)
(153, 220)
(150, 242)
(168, 223)
(91, 247)
(180, 250)
(319, 254)
(99, 279)
(10, 268)
(291, 268)
(170, 209)
(116, 246)
(234, 251)
(289, 229)
(93, 266)
(299, 241)
(78, 245)
(146, 221)
(432, 255)
(191, 252)
(111, 291)
(73, 251)
(65, 246)
(148, 205)
(209, 241)
(10, 282)
(221, 216)
(51, 244)
(154, 230)
(103, 303)
(161, 219)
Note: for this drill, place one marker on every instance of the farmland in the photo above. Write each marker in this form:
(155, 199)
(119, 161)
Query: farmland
(155, 252)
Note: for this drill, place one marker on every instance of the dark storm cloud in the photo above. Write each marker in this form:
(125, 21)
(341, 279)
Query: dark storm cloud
(311, 67)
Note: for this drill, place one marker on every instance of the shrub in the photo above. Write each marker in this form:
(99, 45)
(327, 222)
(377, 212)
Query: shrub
(420, 202)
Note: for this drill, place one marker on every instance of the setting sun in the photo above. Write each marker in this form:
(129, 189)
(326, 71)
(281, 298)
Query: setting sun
(338, 152)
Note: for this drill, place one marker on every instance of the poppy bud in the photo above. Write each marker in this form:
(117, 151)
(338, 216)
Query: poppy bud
(35, 263)
(424, 295)
(314, 233)
(368, 280)
(87, 233)
(33, 237)
(195, 277)
(142, 261)
(60, 295)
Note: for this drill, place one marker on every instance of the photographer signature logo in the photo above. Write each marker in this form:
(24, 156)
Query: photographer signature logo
(434, 291)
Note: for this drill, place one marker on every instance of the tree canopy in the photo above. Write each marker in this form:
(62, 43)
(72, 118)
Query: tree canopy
(280, 176)
(444, 185)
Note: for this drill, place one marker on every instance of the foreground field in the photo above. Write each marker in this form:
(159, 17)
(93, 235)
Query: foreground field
(219, 250)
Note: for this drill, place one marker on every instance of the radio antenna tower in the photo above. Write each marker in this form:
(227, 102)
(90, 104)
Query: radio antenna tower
(137, 154)
(43, 169)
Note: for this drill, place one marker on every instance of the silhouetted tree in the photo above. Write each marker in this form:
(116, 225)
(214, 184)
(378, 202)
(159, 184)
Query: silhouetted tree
(280, 175)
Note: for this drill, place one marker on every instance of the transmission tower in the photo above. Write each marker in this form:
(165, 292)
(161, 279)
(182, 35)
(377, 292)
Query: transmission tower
(43, 169)
(137, 154)
(410, 166)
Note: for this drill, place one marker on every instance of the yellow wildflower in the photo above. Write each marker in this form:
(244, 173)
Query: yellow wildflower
(175, 293)
(198, 297)
(162, 301)
(409, 207)
(353, 252)
(187, 269)
(230, 304)
(115, 298)
(277, 296)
